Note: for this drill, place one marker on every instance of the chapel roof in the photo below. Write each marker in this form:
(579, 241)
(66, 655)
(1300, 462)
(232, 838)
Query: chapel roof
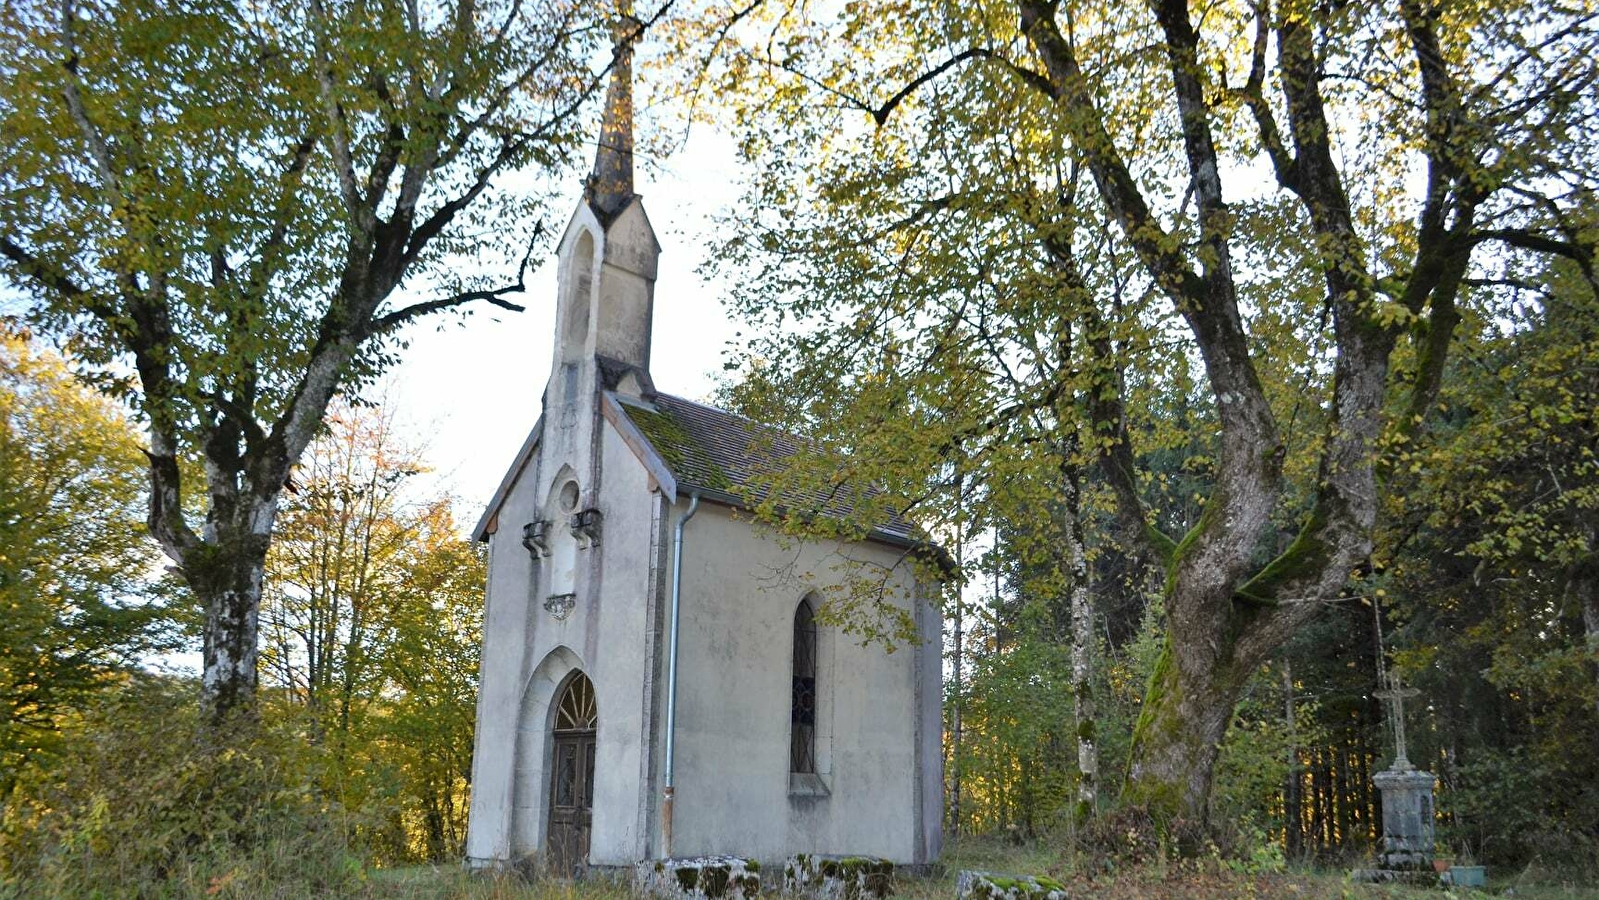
(729, 458)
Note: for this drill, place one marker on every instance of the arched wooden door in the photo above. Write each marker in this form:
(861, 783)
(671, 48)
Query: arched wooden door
(572, 777)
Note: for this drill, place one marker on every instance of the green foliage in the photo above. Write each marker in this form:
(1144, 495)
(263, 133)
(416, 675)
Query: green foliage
(362, 752)
(1487, 561)
(372, 626)
(188, 156)
(1521, 804)
(140, 808)
(76, 606)
(1018, 760)
(1261, 750)
(1018, 763)
(231, 209)
(1005, 239)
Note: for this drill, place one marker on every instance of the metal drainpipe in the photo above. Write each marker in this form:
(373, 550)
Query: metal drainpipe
(671, 674)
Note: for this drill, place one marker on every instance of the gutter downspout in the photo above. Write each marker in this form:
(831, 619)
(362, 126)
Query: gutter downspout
(671, 673)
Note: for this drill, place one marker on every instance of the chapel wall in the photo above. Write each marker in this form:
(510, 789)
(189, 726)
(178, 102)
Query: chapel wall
(740, 589)
(622, 653)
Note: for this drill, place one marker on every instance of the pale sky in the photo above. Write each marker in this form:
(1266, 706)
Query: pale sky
(470, 391)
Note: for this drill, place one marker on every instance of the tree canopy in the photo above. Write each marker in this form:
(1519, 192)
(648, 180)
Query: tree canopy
(978, 229)
(232, 209)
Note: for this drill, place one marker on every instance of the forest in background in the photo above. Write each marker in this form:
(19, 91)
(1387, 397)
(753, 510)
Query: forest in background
(1476, 596)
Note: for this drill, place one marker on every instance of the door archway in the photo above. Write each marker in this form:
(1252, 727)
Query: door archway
(572, 776)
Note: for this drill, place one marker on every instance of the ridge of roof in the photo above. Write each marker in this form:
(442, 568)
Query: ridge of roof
(711, 451)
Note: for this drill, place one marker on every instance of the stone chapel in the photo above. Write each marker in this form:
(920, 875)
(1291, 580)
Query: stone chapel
(648, 689)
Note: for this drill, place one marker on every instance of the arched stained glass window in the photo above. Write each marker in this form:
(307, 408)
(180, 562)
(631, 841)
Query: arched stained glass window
(577, 711)
(802, 705)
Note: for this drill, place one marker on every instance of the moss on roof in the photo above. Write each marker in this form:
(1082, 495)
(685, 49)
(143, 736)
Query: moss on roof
(681, 452)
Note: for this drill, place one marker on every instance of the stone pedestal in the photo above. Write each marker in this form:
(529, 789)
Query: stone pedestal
(1407, 818)
(838, 877)
(700, 878)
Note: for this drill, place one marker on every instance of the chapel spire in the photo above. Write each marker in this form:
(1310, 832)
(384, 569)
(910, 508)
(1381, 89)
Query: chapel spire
(610, 186)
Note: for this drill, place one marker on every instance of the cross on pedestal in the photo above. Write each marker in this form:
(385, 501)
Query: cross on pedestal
(1396, 694)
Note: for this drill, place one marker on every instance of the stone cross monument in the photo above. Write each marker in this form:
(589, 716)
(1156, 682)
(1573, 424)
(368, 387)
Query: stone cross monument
(1407, 810)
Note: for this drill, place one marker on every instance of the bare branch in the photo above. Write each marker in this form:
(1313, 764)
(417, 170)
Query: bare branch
(299, 160)
(1182, 51)
(1580, 253)
(99, 148)
(1116, 184)
(1108, 416)
(338, 128)
(55, 281)
(881, 113)
(1253, 94)
(399, 317)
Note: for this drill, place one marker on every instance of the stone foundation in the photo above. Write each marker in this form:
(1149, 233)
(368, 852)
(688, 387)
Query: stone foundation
(1427, 878)
(993, 886)
(701, 878)
(838, 877)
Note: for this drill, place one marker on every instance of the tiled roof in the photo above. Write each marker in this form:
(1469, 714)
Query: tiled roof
(715, 450)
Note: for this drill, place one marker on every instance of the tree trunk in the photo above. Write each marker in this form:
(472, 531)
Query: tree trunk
(1585, 584)
(1225, 617)
(438, 847)
(1083, 695)
(227, 582)
(1221, 625)
(1292, 822)
(1083, 640)
(1324, 828)
(1177, 738)
(1343, 789)
(957, 727)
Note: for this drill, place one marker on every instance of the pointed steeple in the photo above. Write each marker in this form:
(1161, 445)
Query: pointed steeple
(610, 186)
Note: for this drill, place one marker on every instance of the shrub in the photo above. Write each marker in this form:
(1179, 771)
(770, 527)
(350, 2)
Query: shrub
(139, 806)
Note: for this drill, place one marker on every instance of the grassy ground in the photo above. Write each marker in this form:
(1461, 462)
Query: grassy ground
(1176, 881)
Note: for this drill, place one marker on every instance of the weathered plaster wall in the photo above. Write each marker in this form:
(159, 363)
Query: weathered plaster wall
(620, 656)
(740, 590)
(602, 636)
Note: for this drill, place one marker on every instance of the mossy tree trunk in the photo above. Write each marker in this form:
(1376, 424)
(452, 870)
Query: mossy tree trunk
(1178, 734)
(1224, 617)
(1225, 613)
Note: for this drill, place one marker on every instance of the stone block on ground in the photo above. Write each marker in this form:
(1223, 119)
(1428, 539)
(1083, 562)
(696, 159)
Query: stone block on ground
(838, 877)
(1418, 877)
(995, 886)
(699, 878)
